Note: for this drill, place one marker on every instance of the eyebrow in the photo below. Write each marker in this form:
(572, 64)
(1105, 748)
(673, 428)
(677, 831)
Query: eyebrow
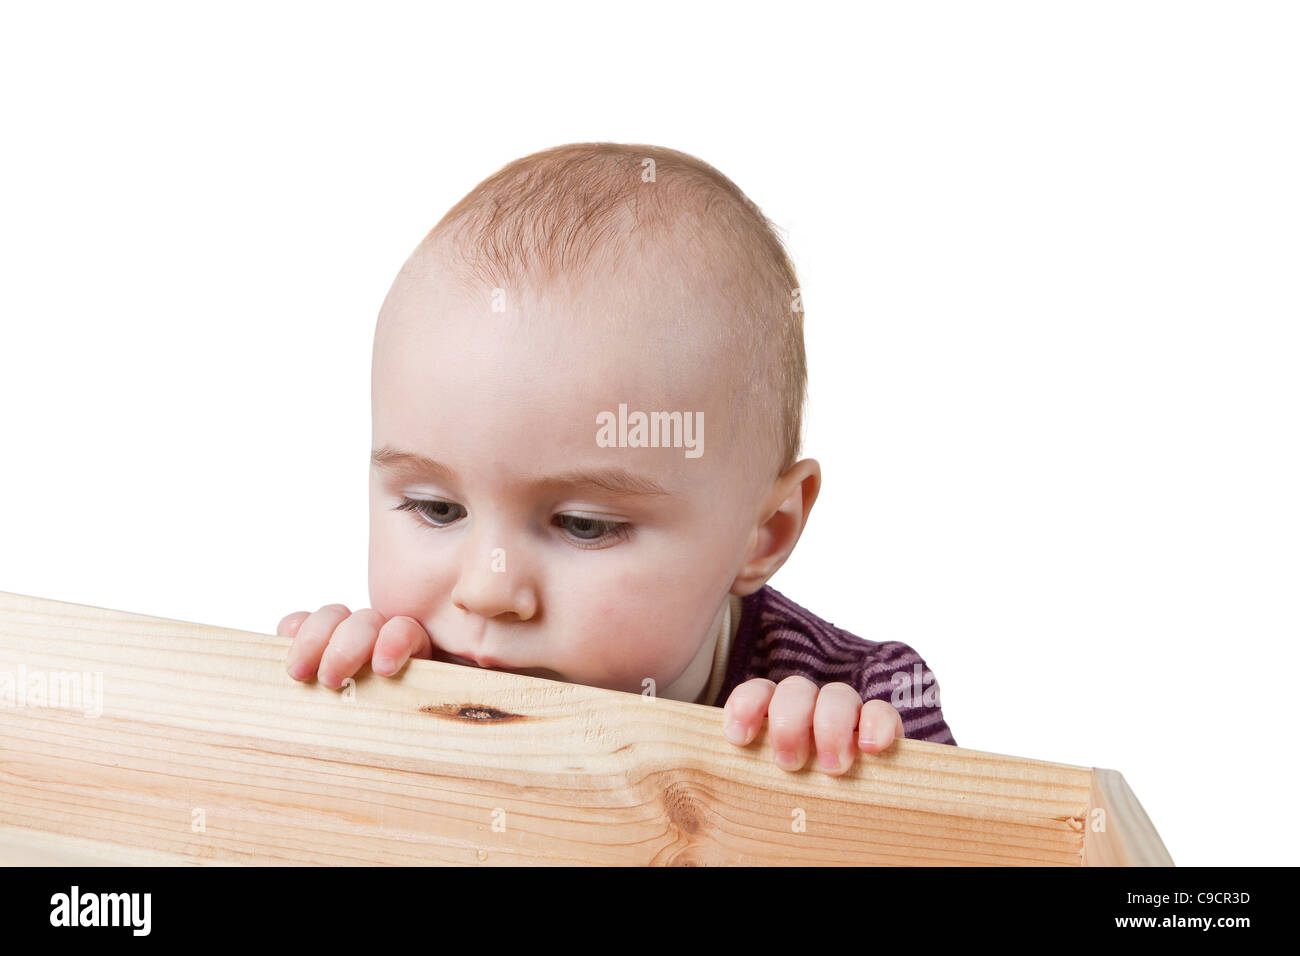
(614, 481)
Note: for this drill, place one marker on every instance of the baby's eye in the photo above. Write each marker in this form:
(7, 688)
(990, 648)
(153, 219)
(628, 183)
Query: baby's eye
(593, 531)
(437, 513)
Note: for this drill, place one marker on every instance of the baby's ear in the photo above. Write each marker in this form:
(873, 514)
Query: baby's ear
(772, 541)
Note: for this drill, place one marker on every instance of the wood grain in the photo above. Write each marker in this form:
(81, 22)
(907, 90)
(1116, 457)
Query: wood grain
(455, 765)
(1121, 834)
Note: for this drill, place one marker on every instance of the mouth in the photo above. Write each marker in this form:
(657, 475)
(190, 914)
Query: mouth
(487, 664)
(490, 664)
(446, 658)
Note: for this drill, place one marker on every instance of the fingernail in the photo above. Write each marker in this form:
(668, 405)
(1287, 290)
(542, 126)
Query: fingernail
(829, 760)
(300, 670)
(737, 733)
(785, 757)
(867, 737)
(384, 665)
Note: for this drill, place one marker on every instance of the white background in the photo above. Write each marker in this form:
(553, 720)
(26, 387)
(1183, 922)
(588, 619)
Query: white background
(1049, 259)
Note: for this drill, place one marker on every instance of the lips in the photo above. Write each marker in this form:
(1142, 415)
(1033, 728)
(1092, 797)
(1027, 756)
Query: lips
(446, 658)
(488, 663)
(491, 663)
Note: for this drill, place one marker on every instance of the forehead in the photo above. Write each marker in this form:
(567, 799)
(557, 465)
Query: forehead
(502, 377)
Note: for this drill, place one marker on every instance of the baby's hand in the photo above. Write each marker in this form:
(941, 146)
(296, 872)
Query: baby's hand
(334, 643)
(795, 706)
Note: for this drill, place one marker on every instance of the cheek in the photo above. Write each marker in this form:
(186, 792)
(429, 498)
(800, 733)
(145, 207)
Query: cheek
(645, 623)
(404, 577)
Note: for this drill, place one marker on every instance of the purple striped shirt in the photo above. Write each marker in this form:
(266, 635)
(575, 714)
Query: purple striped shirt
(777, 638)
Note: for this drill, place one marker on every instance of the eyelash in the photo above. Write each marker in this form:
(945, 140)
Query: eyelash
(613, 530)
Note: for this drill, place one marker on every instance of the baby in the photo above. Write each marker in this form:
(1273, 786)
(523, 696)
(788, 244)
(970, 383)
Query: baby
(587, 393)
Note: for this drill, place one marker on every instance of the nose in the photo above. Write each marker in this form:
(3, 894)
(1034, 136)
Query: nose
(494, 581)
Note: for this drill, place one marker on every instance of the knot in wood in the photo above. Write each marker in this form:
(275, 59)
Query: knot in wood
(683, 809)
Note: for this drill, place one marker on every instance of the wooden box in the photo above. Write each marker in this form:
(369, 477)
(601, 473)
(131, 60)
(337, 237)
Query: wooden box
(127, 739)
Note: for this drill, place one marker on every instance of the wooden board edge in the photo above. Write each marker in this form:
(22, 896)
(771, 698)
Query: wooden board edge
(1117, 831)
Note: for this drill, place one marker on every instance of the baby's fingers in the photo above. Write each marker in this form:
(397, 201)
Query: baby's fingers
(400, 639)
(878, 725)
(789, 720)
(837, 714)
(743, 715)
(289, 624)
(310, 640)
(350, 647)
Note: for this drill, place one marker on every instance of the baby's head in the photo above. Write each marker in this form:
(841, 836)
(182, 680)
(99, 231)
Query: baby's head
(527, 506)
